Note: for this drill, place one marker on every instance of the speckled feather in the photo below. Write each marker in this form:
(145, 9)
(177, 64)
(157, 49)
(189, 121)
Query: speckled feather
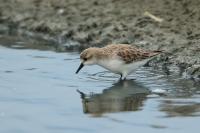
(127, 53)
(131, 54)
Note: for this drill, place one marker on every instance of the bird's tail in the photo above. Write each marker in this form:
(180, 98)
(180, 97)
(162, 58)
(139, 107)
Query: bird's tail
(156, 52)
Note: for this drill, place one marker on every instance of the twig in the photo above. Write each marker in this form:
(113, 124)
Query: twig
(153, 16)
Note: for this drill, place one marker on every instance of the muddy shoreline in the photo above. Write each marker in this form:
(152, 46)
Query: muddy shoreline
(74, 25)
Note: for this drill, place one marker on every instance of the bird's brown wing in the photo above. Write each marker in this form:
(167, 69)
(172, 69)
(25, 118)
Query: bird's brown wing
(134, 54)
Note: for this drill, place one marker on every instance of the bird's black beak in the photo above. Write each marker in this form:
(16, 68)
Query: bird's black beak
(80, 67)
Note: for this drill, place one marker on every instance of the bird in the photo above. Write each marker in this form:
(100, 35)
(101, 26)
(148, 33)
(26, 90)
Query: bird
(122, 59)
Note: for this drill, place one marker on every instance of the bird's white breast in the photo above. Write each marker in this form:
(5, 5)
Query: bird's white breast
(118, 66)
(113, 65)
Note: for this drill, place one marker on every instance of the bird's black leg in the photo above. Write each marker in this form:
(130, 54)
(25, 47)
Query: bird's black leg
(120, 77)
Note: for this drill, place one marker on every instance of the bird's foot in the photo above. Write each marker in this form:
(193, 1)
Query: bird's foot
(122, 78)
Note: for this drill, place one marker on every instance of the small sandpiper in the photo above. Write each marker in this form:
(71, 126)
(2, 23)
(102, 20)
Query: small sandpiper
(121, 59)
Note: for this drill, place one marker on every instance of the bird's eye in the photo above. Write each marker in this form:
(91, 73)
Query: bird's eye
(85, 59)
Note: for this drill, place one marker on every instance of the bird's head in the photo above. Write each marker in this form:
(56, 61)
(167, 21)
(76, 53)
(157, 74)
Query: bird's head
(87, 57)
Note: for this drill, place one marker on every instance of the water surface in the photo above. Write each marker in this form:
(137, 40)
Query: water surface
(40, 92)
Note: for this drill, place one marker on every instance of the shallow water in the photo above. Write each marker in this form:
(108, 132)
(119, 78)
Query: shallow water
(40, 92)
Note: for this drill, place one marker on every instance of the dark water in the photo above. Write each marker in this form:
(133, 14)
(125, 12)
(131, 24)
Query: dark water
(38, 93)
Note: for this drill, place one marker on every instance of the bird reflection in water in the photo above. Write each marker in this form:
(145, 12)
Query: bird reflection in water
(125, 95)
